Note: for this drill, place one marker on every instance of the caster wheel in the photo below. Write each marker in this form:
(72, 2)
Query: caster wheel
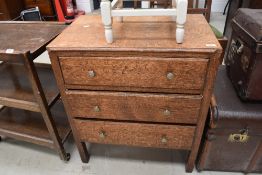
(198, 170)
(67, 158)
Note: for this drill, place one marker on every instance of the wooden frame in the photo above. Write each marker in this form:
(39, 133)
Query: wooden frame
(193, 8)
(206, 10)
(33, 100)
(178, 12)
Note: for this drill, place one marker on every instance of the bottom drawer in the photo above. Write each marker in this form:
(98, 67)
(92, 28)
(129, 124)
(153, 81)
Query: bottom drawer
(137, 134)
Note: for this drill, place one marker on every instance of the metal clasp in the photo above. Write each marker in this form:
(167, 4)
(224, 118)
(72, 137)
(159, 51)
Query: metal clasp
(241, 138)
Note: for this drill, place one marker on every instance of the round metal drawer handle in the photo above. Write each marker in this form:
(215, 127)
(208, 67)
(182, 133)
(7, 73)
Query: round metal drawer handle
(102, 134)
(170, 75)
(167, 112)
(164, 139)
(91, 74)
(97, 109)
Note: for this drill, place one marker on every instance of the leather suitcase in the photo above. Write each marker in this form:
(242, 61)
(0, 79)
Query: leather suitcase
(233, 134)
(233, 6)
(244, 58)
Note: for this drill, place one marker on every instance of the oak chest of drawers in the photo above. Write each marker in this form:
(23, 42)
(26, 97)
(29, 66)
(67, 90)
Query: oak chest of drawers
(142, 90)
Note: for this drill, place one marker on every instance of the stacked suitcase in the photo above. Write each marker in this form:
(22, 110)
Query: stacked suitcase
(244, 59)
(233, 136)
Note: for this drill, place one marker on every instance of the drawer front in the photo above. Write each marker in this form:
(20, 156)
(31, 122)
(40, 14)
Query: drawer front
(162, 73)
(146, 135)
(134, 106)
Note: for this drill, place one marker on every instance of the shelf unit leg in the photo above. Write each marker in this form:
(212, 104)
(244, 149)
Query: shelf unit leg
(43, 105)
(65, 156)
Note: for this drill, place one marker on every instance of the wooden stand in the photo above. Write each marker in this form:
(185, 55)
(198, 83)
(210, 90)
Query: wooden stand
(32, 110)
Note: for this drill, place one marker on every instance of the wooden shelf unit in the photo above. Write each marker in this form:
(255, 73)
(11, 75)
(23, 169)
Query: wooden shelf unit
(30, 126)
(32, 110)
(20, 117)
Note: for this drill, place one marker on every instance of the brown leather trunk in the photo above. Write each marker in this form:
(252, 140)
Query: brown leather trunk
(244, 58)
(234, 5)
(233, 136)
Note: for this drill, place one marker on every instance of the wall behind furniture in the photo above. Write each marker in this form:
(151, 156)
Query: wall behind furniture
(217, 5)
(85, 5)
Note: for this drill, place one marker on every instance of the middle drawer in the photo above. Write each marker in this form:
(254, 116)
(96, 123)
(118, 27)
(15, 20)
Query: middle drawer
(167, 108)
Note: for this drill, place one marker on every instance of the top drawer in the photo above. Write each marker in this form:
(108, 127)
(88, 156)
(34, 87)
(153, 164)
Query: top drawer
(128, 73)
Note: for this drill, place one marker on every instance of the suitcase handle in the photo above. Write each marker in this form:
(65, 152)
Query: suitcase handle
(213, 112)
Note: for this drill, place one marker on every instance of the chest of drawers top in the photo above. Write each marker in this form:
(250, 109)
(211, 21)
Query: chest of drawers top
(138, 35)
(144, 56)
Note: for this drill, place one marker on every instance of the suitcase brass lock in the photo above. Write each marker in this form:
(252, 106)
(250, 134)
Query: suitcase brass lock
(241, 138)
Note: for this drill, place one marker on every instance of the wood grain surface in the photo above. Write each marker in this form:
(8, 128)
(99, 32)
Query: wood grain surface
(136, 33)
(134, 106)
(28, 36)
(30, 126)
(135, 72)
(146, 135)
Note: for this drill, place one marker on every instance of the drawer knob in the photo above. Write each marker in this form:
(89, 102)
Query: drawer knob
(91, 74)
(97, 109)
(102, 134)
(170, 75)
(164, 139)
(167, 112)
